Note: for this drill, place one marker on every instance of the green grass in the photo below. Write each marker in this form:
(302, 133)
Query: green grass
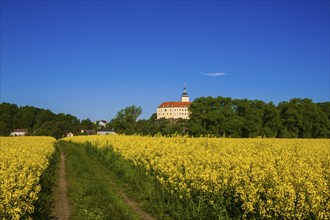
(134, 182)
(91, 190)
(95, 176)
(153, 197)
(42, 207)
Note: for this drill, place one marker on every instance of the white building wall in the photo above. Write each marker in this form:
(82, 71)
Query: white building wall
(173, 113)
(18, 133)
(185, 99)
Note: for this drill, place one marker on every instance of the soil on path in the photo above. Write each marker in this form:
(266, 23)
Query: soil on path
(99, 170)
(143, 215)
(62, 207)
(135, 206)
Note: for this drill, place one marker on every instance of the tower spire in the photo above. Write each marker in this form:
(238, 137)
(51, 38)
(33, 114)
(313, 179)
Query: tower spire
(185, 97)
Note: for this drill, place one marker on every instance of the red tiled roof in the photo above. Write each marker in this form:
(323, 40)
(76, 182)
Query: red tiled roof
(20, 130)
(174, 104)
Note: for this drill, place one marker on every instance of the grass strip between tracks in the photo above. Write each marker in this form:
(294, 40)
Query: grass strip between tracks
(102, 183)
(91, 191)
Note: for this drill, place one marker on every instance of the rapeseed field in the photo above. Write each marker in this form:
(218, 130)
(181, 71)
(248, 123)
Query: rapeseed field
(259, 178)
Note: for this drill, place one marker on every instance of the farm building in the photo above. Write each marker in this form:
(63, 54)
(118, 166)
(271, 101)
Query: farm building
(102, 123)
(105, 132)
(19, 132)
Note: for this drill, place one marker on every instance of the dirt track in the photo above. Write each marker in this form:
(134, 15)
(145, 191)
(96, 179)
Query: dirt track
(62, 207)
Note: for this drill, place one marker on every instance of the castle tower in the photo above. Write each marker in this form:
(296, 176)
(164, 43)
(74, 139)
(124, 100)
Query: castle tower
(184, 97)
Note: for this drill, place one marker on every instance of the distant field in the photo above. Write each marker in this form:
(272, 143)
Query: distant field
(248, 178)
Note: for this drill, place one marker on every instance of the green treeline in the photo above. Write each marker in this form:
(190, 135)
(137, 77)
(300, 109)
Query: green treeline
(226, 117)
(221, 117)
(39, 122)
(298, 118)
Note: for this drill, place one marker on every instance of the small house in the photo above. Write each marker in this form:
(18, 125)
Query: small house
(19, 132)
(70, 134)
(105, 132)
(88, 132)
(102, 123)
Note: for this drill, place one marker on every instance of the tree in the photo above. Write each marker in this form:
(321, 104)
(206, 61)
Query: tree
(302, 118)
(202, 118)
(7, 115)
(26, 117)
(232, 123)
(152, 123)
(87, 124)
(250, 113)
(43, 116)
(69, 122)
(325, 107)
(125, 120)
(315, 121)
(271, 122)
(143, 127)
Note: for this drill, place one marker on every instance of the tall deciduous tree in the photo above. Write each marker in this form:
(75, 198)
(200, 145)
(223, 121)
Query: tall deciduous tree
(43, 116)
(271, 122)
(87, 124)
(26, 117)
(7, 115)
(125, 120)
(302, 118)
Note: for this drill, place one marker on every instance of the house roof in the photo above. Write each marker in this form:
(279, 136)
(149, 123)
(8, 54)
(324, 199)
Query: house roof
(20, 130)
(174, 104)
(104, 121)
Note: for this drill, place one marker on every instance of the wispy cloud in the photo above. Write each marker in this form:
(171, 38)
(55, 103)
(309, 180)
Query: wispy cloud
(214, 74)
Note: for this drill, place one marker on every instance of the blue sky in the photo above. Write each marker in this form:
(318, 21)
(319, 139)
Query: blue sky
(93, 58)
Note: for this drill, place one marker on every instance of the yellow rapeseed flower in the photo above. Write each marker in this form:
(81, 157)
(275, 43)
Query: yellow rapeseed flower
(22, 161)
(270, 178)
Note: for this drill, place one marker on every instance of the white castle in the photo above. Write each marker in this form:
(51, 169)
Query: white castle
(175, 110)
